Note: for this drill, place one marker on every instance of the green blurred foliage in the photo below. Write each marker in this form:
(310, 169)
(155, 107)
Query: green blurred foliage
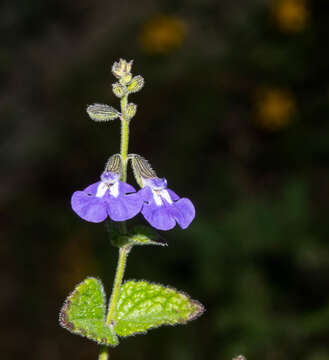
(257, 254)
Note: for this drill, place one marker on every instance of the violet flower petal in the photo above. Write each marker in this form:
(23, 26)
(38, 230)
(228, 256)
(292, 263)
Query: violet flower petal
(88, 206)
(123, 207)
(165, 216)
(173, 195)
(158, 216)
(184, 212)
(146, 194)
(126, 188)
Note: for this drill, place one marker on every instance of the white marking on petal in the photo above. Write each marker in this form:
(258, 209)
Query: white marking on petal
(157, 198)
(114, 189)
(101, 190)
(165, 194)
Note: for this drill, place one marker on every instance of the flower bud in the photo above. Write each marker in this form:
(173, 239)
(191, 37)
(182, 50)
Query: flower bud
(131, 110)
(136, 84)
(125, 79)
(101, 112)
(118, 90)
(121, 68)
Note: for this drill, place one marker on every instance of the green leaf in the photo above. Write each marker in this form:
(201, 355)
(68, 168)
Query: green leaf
(101, 112)
(83, 313)
(143, 306)
(144, 235)
(139, 235)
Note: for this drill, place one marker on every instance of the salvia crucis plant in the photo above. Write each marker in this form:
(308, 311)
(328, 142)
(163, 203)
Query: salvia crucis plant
(134, 306)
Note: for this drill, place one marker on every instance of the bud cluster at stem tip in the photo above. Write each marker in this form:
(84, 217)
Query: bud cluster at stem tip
(127, 84)
(121, 69)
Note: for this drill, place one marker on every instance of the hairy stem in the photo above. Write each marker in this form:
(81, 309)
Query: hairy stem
(124, 147)
(124, 137)
(103, 353)
(123, 251)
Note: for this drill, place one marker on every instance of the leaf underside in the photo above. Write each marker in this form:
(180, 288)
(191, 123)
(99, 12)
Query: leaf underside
(143, 306)
(144, 235)
(83, 313)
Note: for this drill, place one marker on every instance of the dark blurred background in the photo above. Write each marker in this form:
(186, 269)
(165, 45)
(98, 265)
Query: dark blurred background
(234, 114)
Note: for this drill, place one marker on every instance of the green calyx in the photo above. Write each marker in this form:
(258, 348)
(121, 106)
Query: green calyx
(136, 84)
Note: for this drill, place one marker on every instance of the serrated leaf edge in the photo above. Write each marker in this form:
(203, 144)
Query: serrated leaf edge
(200, 307)
(64, 323)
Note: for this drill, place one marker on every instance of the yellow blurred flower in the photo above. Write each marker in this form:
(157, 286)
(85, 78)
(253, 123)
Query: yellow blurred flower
(162, 34)
(290, 15)
(275, 108)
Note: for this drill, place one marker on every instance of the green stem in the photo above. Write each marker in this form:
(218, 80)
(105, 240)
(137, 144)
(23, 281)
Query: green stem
(124, 147)
(103, 353)
(124, 137)
(123, 251)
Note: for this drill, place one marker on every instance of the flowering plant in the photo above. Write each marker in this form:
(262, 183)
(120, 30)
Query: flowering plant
(134, 306)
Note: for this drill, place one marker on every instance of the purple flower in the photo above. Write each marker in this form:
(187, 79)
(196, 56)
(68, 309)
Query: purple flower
(108, 197)
(162, 207)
